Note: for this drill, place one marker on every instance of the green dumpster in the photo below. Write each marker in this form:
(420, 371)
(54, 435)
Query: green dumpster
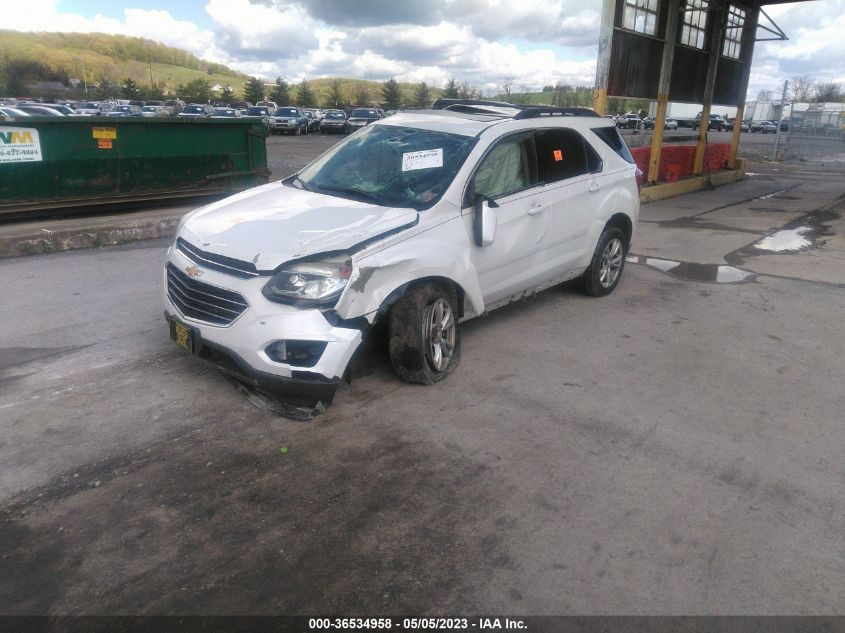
(58, 162)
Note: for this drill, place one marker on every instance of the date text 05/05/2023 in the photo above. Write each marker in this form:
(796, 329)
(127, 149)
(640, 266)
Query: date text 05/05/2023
(416, 624)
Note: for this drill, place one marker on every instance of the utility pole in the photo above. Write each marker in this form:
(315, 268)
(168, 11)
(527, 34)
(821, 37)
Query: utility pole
(150, 62)
(780, 121)
(84, 78)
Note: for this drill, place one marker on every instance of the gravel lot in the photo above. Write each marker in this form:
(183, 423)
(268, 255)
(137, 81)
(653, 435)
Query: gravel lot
(675, 448)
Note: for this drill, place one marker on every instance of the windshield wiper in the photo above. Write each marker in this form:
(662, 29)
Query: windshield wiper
(354, 192)
(296, 179)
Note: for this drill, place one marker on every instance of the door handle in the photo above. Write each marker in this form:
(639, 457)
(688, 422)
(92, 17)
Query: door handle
(536, 209)
(594, 186)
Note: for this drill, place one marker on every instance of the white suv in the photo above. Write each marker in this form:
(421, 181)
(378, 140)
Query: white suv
(425, 219)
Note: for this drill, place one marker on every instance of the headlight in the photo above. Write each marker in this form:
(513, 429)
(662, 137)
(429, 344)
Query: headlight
(308, 284)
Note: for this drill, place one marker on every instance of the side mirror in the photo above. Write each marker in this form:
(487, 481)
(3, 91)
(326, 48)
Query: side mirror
(485, 220)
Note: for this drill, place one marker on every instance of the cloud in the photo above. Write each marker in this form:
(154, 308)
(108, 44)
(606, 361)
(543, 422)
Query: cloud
(371, 12)
(251, 32)
(484, 42)
(815, 46)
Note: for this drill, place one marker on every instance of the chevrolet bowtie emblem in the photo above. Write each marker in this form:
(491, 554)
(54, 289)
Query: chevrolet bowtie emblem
(193, 271)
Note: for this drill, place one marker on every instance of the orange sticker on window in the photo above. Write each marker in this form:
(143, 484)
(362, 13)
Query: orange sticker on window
(104, 143)
(558, 155)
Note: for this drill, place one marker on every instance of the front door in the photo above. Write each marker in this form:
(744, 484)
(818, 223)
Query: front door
(517, 258)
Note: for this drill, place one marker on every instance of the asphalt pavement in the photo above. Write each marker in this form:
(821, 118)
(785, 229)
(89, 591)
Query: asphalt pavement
(674, 448)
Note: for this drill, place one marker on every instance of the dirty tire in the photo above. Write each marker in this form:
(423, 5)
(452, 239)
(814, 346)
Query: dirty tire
(416, 335)
(607, 264)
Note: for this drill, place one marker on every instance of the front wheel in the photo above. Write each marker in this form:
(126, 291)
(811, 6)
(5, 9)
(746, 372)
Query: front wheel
(425, 343)
(607, 264)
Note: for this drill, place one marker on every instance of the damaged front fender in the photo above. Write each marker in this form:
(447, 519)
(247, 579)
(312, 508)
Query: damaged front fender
(439, 253)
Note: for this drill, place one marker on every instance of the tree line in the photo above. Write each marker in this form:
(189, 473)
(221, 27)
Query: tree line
(806, 89)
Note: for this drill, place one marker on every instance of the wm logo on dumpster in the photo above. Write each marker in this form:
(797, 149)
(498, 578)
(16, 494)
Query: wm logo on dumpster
(19, 145)
(16, 138)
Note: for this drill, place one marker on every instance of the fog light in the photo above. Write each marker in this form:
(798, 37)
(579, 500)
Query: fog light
(298, 353)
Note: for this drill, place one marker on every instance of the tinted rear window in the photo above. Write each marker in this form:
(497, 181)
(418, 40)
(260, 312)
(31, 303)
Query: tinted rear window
(611, 136)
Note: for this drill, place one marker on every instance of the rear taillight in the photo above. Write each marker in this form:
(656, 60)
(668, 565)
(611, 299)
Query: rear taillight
(640, 175)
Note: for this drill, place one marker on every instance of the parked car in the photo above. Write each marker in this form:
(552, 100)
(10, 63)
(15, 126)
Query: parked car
(628, 121)
(60, 107)
(784, 124)
(289, 120)
(333, 121)
(125, 111)
(154, 111)
(729, 125)
(262, 113)
(241, 106)
(10, 112)
(196, 111)
(765, 127)
(717, 123)
(361, 117)
(92, 108)
(668, 124)
(226, 113)
(174, 106)
(313, 119)
(419, 223)
(38, 110)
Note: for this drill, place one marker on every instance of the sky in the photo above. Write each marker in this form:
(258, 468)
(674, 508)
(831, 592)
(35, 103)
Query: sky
(529, 43)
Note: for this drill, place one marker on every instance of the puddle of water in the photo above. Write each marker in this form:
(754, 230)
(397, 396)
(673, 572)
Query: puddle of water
(786, 240)
(712, 273)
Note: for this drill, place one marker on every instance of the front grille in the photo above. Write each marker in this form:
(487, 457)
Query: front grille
(223, 264)
(202, 301)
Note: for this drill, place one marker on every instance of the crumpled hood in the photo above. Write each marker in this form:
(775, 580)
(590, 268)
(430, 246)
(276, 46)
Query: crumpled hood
(273, 224)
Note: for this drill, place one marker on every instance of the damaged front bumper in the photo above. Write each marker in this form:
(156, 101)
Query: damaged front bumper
(243, 348)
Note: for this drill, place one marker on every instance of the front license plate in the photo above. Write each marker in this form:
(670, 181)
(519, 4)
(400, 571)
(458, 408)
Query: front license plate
(182, 335)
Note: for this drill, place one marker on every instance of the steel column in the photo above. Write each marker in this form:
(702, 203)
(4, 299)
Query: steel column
(608, 15)
(718, 12)
(669, 36)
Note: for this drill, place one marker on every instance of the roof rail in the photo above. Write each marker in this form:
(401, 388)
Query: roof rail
(442, 104)
(525, 111)
(535, 112)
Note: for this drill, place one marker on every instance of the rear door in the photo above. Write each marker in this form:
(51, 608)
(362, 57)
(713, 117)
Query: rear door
(570, 171)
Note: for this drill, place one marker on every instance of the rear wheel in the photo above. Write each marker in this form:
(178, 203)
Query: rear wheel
(425, 344)
(607, 264)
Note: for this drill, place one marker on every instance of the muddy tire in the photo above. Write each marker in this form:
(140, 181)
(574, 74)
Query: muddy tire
(607, 264)
(425, 342)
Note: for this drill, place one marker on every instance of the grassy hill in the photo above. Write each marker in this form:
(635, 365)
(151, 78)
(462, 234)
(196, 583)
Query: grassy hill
(113, 58)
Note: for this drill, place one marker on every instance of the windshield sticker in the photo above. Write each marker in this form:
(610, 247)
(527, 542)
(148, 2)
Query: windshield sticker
(19, 145)
(425, 159)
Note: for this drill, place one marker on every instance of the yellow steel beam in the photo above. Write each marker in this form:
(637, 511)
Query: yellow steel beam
(600, 101)
(740, 113)
(657, 138)
(698, 164)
